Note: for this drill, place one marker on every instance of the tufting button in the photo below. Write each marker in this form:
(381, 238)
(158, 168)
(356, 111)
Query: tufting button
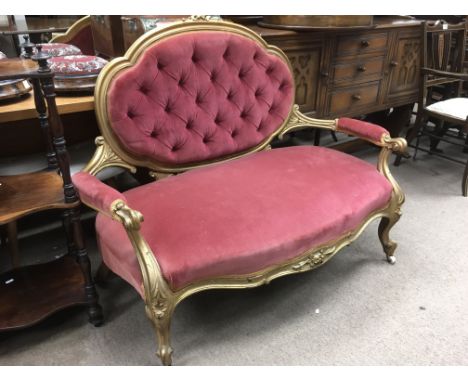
(194, 58)
(282, 85)
(243, 114)
(226, 53)
(230, 95)
(258, 93)
(269, 70)
(206, 139)
(234, 133)
(160, 66)
(130, 114)
(189, 124)
(217, 120)
(154, 134)
(182, 82)
(198, 99)
(168, 108)
(213, 77)
(144, 90)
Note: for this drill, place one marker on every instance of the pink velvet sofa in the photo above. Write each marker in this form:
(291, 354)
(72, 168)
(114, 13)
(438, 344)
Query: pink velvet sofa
(197, 103)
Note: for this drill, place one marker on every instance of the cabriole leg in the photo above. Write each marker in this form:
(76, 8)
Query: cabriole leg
(385, 226)
(161, 320)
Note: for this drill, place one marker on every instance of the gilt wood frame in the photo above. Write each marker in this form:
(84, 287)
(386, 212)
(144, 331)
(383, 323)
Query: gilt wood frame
(72, 31)
(160, 299)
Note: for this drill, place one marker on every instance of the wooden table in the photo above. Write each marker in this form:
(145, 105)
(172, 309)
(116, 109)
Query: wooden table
(19, 127)
(24, 109)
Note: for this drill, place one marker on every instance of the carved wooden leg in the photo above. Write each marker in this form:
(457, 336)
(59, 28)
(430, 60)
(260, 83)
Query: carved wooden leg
(67, 226)
(94, 309)
(385, 226)
(465, 181)
(410, 135)
(161, 315)
(103, 274)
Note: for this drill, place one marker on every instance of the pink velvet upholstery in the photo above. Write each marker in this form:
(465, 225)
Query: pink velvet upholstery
(94, 193)
(84, 40)
(77, 65)
(362, 129)
(244, 215)
(199, 96)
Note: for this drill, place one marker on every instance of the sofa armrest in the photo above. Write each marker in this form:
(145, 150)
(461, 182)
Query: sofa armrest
(370, 132)
(95, 193)
(360, 129)
(107, 200)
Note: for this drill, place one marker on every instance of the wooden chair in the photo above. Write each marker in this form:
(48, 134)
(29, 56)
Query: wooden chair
(442, 77)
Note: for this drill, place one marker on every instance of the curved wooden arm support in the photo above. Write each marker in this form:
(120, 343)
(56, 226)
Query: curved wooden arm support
(298, 121)
(105, 157)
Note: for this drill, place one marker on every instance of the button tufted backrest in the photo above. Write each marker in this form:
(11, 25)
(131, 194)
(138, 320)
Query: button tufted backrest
(199, 96)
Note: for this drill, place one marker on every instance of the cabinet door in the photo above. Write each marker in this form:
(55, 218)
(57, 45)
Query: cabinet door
(404, 65)
(306, 56)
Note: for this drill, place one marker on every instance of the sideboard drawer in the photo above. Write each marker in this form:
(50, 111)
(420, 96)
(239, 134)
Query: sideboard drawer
(353, 98)
(360, 70)
(361, 44)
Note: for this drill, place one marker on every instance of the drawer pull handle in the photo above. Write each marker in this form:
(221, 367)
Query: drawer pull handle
(393, 63)
(324, 74)
(365, 43)
(356, 97)
(361, 68)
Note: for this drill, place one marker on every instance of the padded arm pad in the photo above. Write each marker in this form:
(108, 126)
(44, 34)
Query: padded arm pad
(95, 193)
(361, 129)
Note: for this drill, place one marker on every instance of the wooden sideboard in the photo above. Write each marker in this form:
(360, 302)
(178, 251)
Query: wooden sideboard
(350, 72)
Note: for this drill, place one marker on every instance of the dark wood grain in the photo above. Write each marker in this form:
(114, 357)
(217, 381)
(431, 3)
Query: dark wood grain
(32, 293)
(24, 194)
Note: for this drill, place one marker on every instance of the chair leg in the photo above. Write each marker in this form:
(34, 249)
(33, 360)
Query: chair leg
(161, 321)
(385, 226)
(465, 181)
(94, 309)
(412, 133)
(103, 275)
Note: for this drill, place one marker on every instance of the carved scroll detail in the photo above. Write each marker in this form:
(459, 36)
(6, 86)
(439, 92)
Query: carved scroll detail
(104, 157)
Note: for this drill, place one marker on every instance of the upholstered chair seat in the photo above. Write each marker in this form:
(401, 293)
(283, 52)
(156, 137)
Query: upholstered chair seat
(76, 72)
(454, 108)
(56, 49)
(243, 216)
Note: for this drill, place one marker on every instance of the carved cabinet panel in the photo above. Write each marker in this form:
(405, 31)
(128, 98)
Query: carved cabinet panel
(405, 65)
(305, 52)
(306, 66)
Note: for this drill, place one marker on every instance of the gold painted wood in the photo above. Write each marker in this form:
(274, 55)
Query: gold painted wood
(74, 29)
(104, 157)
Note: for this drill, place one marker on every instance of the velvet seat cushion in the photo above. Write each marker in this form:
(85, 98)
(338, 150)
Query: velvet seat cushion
(57, 49)
(77, 65)
(245, 215)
